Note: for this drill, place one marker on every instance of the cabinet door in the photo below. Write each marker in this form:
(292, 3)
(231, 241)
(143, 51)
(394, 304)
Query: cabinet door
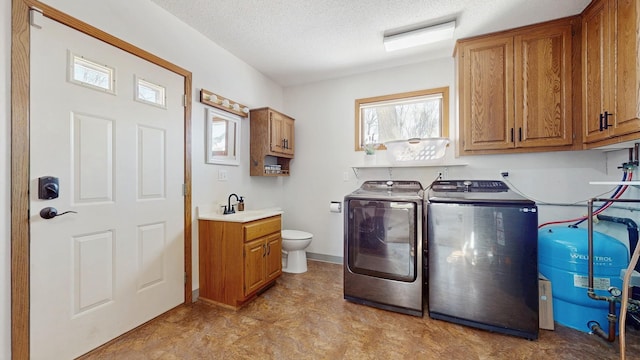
(254, 270)
(542, 63)
(486, 88)
(627, 85)
(597, 67)
(276, 139)
(288, 135)
(274, 256)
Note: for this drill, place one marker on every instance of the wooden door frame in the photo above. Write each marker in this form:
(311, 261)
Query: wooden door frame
(20, 103)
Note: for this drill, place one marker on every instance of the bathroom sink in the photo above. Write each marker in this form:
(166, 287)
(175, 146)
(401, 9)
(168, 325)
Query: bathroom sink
(239, 216)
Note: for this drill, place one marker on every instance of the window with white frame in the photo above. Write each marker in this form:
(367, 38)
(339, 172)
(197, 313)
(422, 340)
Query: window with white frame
(150, 93)
(417, 114)
(91, 74)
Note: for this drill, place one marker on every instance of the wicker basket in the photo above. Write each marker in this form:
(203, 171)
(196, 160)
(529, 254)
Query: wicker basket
(416, 151)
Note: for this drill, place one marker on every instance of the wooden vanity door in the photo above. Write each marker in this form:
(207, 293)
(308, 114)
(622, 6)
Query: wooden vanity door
(254, 270)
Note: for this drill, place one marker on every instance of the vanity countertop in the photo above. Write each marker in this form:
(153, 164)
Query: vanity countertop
(239, 216)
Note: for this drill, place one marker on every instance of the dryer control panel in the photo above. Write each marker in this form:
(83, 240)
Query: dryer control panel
(469, 186)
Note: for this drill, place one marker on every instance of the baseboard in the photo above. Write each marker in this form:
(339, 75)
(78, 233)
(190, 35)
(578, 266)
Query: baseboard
(325, 258)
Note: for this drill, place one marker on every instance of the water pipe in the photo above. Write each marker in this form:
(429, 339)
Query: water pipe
(611, 317)
(625, 283)
(616, 195)
(632, 230)
(625, 300)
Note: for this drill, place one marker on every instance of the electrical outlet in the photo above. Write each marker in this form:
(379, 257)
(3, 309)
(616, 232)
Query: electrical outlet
(222, 175)
(345, 176)
(503, 173)
(443, 174)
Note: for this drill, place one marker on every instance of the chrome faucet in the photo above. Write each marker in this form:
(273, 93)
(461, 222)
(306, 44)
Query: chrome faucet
(229, 209)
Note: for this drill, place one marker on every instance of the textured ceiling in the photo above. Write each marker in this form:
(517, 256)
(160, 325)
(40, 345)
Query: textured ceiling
(301, 41)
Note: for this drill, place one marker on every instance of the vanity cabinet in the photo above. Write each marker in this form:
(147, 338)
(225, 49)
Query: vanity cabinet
(611, 73)
(515, 89)
(272, 142)
(238, 260)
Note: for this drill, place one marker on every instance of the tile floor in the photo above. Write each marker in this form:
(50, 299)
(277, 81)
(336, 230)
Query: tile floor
(304, 316)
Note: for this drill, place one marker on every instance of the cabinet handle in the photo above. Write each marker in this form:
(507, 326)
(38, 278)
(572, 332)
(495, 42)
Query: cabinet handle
(264, 250)
(520, 134)
(511, 134)
(283, 146)
(606, 119)
(286, 143)
(268, 249)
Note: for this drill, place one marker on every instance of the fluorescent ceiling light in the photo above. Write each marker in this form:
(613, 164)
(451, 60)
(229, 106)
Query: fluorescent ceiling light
(417, 37)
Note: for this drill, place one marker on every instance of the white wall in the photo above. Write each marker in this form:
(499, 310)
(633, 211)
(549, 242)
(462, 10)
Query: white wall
(5, 178)
(324, 114)
(149, 27)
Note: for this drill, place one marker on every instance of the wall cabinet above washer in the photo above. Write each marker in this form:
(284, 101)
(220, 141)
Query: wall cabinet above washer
(611, 72)
(515, 89)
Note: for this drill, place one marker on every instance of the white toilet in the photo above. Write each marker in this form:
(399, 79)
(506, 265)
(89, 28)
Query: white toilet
(294, 257)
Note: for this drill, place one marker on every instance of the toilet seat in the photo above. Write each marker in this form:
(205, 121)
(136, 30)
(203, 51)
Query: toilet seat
(296, 235)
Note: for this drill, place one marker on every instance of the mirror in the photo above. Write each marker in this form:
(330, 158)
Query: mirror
(223, 138)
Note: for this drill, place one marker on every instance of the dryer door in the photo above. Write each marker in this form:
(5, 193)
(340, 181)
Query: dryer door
(382, 238)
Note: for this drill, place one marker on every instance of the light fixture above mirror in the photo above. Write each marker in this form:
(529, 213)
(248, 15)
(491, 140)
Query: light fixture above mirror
(217, 101)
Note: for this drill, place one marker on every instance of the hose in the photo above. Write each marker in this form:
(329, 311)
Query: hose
(625, 299)
(616, 195)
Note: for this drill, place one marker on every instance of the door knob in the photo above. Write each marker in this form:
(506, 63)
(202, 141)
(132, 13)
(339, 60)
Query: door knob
(51, 212)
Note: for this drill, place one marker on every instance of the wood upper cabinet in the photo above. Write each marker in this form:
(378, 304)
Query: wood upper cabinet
(272, 142)
(238, 260)
(281, 135)
(515, 89)
(486, 93)
(610, 72)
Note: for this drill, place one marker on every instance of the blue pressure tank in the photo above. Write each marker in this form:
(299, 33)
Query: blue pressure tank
(563, 259)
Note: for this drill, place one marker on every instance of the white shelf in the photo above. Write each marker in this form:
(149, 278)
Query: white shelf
(384, 166)
(390, 167)
(633, 183)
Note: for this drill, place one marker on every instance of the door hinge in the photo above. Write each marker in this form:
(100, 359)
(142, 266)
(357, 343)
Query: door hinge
(184, 189)
(184, 100)
(185, 278)
(35, 16)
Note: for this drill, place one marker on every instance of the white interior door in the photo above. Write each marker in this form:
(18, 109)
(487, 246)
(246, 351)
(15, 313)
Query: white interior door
(119, 156)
